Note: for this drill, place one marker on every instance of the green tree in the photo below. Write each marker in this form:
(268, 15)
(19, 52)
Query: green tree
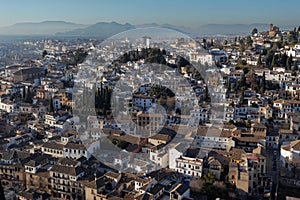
(228, 86)
(274, 61)
(28, 96)
(242, 82)
(242, 97)
(263, 84)
(283, 60)
(122, 144)
(209, 178)
(51, 105)
(206, 95)
(295, 66)
(269, 57)
(181, 62)
(254, 31)
(289, 62)
(44, 53)
(248, 124)
(23, 92)
(259, 63)
(249, 41)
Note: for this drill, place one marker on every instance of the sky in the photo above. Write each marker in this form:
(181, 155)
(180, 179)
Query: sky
(188, 13)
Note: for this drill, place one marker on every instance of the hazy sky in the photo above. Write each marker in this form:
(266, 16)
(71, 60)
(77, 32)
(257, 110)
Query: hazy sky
(190, 13)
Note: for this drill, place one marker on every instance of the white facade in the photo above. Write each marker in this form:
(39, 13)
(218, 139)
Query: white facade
(290, 152)
(173, 155)
(213, 138)
(7, 106)
(160, 157)
(56, 151)
(75, 151)
(142, 101)
(189, 166)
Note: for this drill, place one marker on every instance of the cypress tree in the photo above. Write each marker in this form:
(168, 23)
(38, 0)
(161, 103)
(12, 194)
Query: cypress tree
(259, 63)
(51, 105)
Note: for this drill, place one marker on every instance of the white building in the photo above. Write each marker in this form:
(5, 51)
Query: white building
(142, 101)
(50, 120)
(75, 150)
(213, 138)
(7, 106)
(290, 152)
(160, 157)
(189, 166)
(54, 149)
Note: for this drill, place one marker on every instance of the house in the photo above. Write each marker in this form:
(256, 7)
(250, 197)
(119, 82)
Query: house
(290, 157)
(33, 195)
(266, 112)
(214, 167)
(258, 129)
(94, 123)
(28, 74)
(155, 191)
(12, 168)
(159, 139)
(149, 123)
(141, 182)
(272, 139)
(142, 101)
(248, 173)
(98, 189)
(36, 163)
(247, 142)
(175, 152)
(51, 119)
(54, 149)
(180, 192)
(38, 180)
(68, 136)
(56, 101)
(287, 135)
(66, 181)
(114, 177)
(159, 156)
(254, 102)
(10, 70)
(25, 107)
(75, 151)
(189, 166)
(7, 105)
(213, 138)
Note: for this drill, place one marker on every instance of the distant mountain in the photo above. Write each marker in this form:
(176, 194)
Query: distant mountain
(40, 28)
(100, 30)
(104, 29)
(229, 29)
(169, 26)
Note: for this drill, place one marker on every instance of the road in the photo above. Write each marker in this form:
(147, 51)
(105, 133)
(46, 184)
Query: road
(273, 168)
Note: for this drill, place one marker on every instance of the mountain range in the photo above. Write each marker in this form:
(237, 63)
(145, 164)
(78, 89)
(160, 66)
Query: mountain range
(40, 28)
(107, 29)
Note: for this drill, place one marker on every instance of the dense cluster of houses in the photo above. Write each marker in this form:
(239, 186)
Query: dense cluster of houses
(43, 156)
